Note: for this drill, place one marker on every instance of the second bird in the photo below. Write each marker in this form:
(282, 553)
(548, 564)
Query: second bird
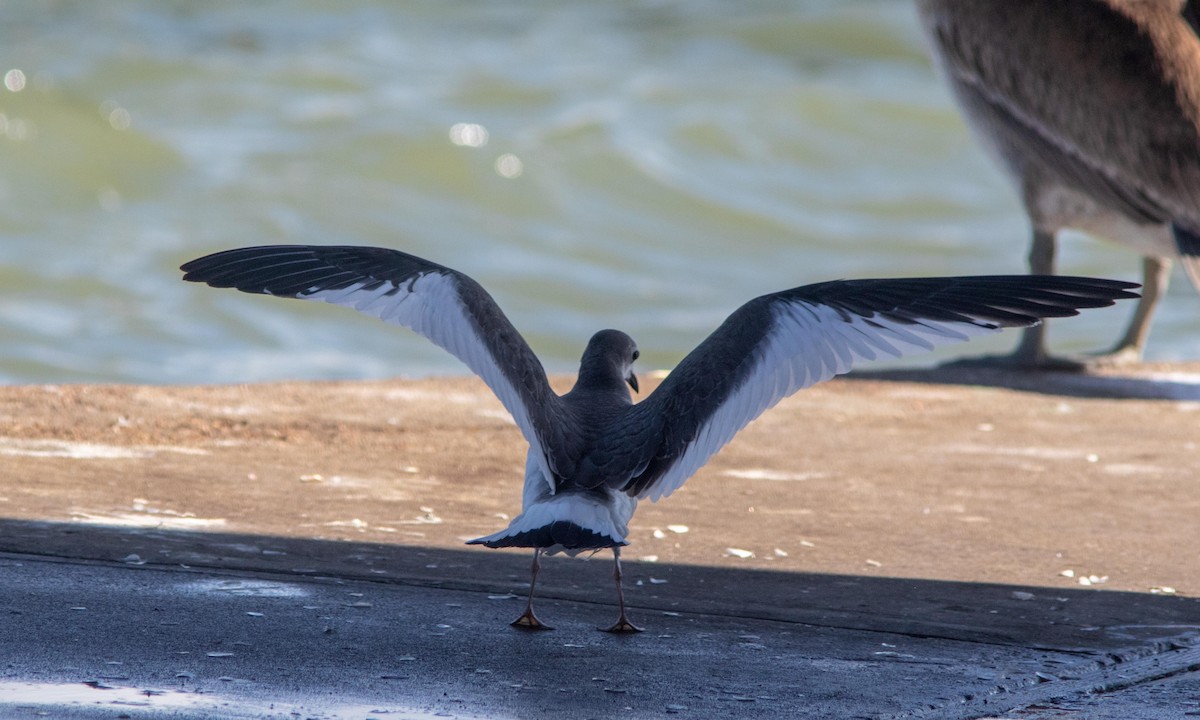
(1093, 107)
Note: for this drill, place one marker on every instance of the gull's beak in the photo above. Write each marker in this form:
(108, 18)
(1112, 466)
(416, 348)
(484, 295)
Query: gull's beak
(632, 380)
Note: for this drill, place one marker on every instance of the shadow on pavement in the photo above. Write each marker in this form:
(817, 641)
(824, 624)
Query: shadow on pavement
(1147, 385)
(1064, 619)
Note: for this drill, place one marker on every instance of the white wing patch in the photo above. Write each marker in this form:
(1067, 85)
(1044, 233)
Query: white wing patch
(807, 344)
(430, 304)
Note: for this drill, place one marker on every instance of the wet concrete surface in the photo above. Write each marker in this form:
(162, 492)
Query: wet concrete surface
(295, 551)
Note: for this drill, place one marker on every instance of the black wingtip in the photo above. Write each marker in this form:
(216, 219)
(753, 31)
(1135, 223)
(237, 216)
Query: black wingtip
(296, 270)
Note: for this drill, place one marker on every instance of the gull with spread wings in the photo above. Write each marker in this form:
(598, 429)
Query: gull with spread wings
(593, 454)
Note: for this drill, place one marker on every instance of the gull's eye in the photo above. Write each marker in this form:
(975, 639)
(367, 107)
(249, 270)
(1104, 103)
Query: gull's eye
(636, 354)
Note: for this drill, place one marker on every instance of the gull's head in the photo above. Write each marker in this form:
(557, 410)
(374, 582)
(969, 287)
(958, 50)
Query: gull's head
(610, 353)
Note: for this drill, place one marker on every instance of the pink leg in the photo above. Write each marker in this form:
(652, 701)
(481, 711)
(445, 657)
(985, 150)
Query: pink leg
(528, 620)
(622, 625)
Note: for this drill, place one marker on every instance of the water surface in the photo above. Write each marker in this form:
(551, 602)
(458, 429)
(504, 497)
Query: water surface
(642, 165)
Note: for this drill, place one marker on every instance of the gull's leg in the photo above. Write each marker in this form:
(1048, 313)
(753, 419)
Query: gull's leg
(622, 625)
(528, 620)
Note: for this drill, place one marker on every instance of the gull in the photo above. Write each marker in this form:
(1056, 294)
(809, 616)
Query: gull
(593, 453)
(1093, 109)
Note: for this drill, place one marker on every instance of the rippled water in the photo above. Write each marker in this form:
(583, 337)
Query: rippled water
(644, 165)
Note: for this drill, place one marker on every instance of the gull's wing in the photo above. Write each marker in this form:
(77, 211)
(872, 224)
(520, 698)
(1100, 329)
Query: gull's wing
(442, 304)
(777, 344)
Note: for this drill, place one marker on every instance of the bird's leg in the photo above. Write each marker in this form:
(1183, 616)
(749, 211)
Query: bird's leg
(1156, 271)
(528, 620)
(1031, 352)
(622, 625)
